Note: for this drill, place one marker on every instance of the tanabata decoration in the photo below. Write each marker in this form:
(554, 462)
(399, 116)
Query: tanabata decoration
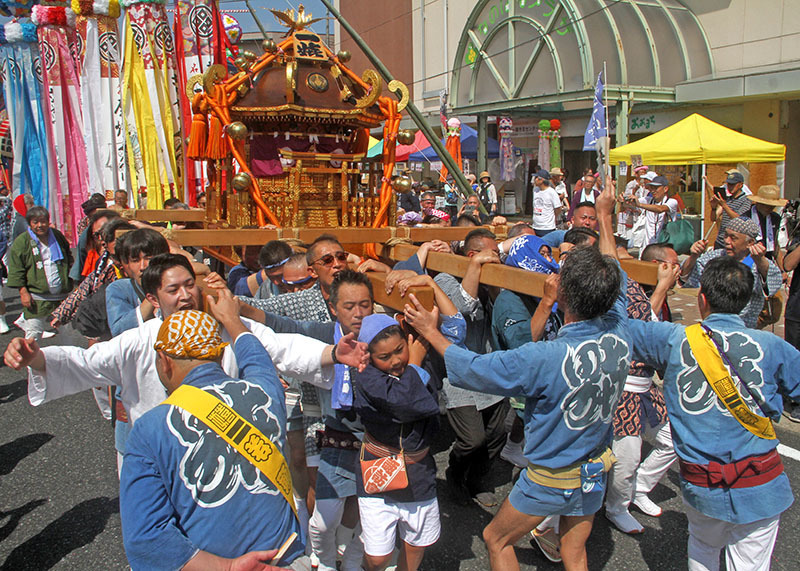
(202, 39)
(99, 68)
(232, 28)
(505, 127)
(555, 143)
(453, 144)
(544, 145)
(57, 44)
(151, 105)
(6, 148)
(549, 155)
(33, 169)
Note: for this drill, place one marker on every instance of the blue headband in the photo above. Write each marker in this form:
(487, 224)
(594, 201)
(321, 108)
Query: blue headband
(275, 265)
(297, 282)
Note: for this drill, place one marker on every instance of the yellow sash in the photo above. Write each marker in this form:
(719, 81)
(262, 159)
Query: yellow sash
(568, 477)
(710, 362)
(236, 431)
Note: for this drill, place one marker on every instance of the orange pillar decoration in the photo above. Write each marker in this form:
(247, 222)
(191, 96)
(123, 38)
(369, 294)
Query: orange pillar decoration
(391, 126)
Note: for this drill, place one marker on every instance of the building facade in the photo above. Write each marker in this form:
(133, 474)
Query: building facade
(735, 61)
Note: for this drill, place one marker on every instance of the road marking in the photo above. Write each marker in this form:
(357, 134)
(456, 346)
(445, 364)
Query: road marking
(789, 452)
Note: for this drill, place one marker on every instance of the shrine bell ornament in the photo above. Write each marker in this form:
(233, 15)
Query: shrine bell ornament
(402, 184)
(269, 46)
(241, 182)
(405, 137)
(237, 131)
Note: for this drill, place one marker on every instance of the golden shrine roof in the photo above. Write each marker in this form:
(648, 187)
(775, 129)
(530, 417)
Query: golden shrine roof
(306, 82)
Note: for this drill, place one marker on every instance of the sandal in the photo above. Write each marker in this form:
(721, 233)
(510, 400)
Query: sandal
(549, 543)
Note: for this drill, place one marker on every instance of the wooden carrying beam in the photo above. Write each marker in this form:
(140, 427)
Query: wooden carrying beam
(394, 300)
(195, 215)
(345, 235)
(507, 277)
(514, 279)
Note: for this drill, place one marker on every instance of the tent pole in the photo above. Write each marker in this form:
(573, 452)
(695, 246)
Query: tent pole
(702, 184)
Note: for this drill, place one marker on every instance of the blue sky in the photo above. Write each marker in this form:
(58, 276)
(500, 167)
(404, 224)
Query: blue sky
(261, 7)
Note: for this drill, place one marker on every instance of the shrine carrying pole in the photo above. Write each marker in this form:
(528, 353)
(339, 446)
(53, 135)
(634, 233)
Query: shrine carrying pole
(454, 169)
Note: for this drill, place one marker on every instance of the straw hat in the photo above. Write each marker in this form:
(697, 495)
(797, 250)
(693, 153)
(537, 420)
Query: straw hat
(484, 174)
(556, 171)
(768, 194)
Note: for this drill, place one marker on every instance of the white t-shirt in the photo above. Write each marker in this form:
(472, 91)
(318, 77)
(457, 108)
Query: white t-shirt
(655, 221)
(545, 203)
(587, 197)
(50, 268)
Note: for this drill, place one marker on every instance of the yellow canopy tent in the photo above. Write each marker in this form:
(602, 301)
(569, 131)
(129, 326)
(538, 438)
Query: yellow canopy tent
(695, 141)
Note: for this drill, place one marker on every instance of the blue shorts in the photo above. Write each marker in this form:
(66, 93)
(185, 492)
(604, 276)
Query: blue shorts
(534, 499)
(336, 476)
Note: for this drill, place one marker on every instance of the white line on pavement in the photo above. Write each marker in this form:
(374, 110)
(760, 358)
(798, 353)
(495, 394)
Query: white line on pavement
(789, 452)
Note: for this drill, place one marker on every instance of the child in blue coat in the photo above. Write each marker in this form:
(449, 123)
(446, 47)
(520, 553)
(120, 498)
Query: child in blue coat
(399, 409)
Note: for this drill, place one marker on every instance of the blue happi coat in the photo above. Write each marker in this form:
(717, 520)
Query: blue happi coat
(571, 384)
(702, 429)
(183, 488)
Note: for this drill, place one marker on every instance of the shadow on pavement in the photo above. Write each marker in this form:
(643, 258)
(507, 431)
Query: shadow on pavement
(12, 391)
(74, 529)
(659, 554)
(14, 452)
(15, 516)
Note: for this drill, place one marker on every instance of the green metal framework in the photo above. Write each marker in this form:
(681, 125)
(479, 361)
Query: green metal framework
(648, 45)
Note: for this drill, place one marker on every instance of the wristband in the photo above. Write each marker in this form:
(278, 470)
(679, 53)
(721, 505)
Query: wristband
(333, 356)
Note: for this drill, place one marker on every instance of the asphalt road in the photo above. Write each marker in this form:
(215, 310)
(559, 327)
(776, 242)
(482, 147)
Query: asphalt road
(59, 498)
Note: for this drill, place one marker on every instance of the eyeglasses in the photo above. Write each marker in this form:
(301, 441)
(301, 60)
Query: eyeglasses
(327, 259)
(96, 235)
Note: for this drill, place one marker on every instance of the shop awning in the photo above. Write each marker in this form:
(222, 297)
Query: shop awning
(695, 141)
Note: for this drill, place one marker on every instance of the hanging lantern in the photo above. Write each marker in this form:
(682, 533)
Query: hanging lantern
(241, 182)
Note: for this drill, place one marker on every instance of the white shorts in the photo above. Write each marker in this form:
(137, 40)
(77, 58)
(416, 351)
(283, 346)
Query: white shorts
(382, 520)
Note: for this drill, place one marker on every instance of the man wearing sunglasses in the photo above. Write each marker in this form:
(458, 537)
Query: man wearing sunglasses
(326, 258)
